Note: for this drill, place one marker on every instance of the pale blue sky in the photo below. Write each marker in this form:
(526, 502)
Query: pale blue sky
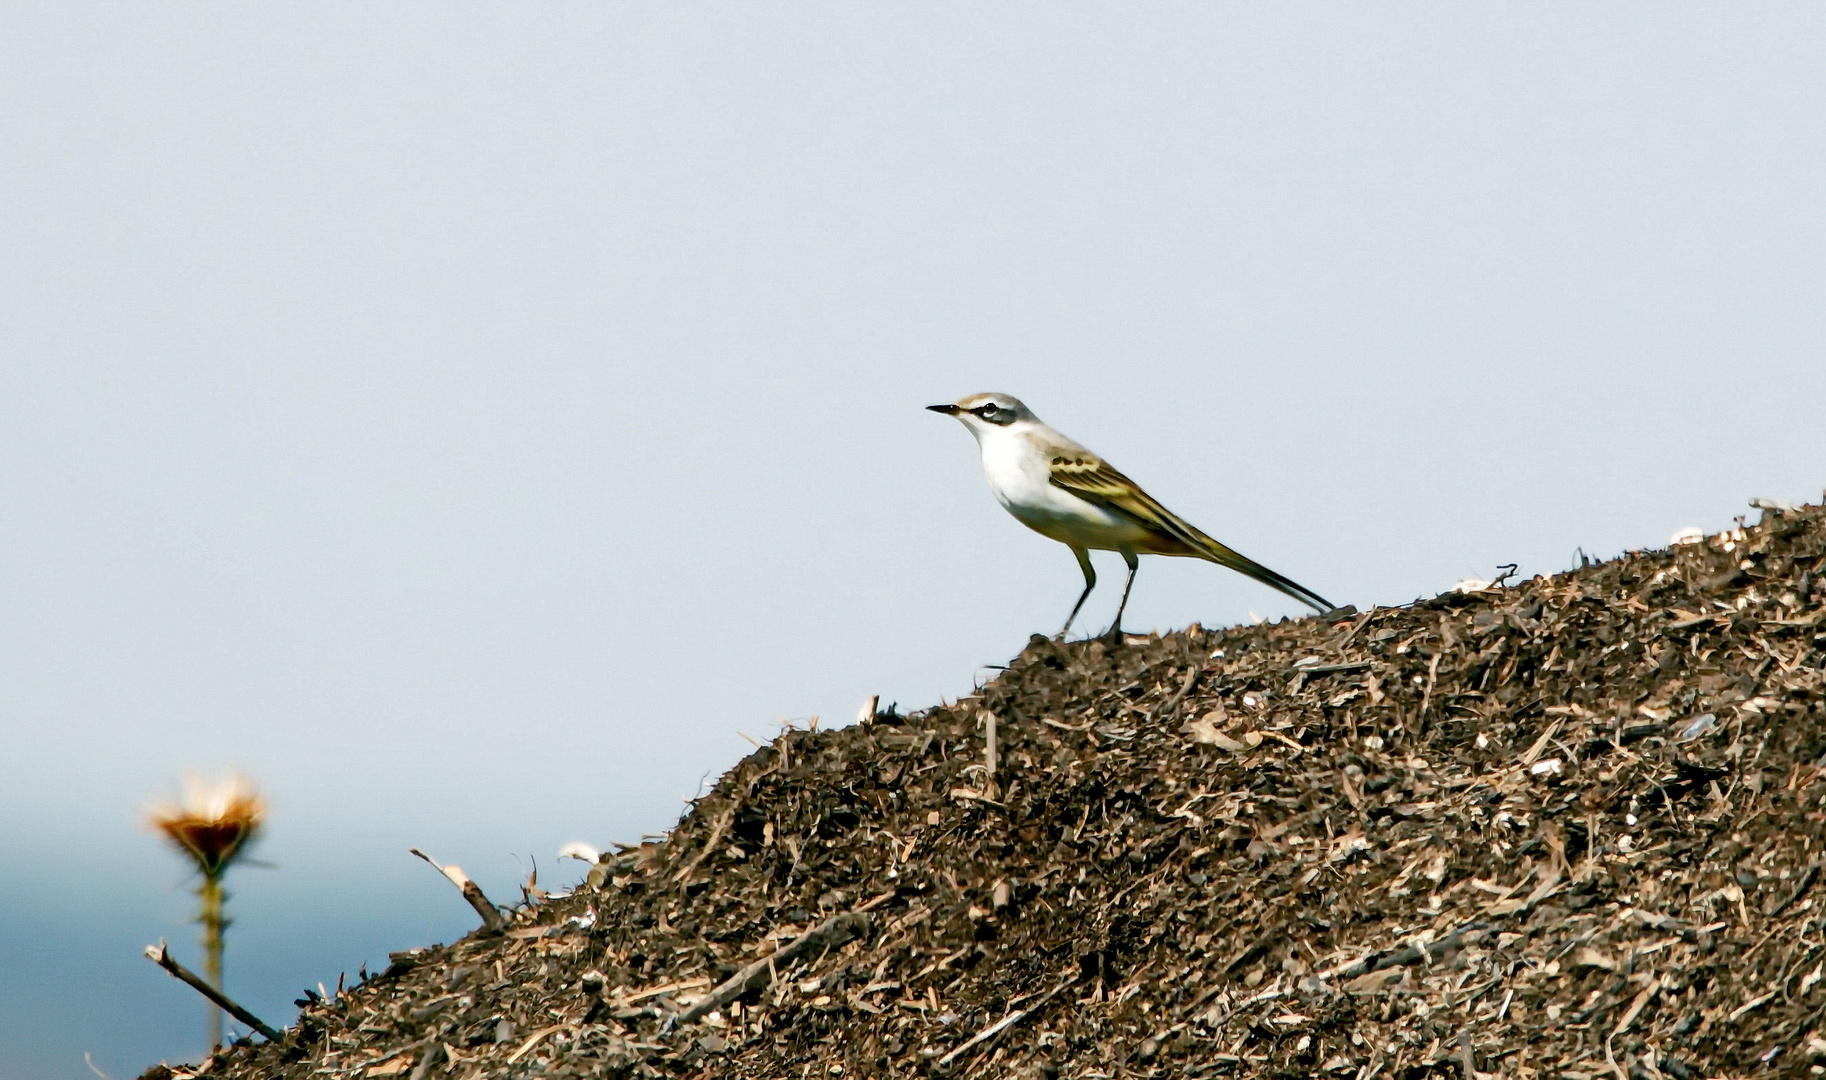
(467, 418)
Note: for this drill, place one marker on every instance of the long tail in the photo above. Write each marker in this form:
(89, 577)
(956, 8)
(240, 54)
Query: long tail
(1208, 548)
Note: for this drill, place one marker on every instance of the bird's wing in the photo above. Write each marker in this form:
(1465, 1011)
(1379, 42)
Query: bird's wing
(1094, 480)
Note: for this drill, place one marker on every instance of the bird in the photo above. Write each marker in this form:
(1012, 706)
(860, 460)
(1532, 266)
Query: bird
(1063, 491)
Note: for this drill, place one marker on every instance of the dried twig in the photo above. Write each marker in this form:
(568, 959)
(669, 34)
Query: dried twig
(1808, 877)
(1335, 669)
(990, 761)
(1001, 1025)
(1413, 954)
(1356, 626)
(491, 916)
(723, 821)
(1432, 678)
(830, 932)
(1171, 708)
(161, 956)
(427, 1061)
(533, 1041)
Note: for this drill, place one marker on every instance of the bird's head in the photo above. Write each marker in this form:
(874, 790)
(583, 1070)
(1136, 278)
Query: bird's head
(985, 412)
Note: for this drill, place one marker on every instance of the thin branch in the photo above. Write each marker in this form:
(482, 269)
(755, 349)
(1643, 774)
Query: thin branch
(427, 1061)
(1427, 698)
(1412, 954)
(1000, 1026)
(717, 831)
(1171, 708)
(161, 956)
(1808, 877)
(830, 932)
(991, 756)
(491, 915)
(1336, 669)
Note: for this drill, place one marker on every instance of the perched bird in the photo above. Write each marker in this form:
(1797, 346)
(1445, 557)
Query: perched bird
(1061, 490)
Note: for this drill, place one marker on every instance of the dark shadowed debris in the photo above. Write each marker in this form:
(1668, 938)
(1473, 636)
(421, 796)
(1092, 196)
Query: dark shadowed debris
(1559, 828)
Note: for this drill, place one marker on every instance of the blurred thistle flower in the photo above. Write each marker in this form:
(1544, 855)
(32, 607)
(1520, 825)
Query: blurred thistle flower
(213, 824)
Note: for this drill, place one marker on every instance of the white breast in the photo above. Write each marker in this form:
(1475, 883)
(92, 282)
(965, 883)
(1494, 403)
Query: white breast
(1021, 477)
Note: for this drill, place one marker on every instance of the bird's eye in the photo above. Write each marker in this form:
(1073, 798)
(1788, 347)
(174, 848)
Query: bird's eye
(985, 411)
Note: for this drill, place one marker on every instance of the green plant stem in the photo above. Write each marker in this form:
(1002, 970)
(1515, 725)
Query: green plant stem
(211, 918)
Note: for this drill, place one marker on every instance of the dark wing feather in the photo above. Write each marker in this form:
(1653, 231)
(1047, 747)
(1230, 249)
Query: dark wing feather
(1095, 480)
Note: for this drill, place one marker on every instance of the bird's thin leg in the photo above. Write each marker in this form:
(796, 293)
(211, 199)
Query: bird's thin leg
(1115, 634)
(1090, 582)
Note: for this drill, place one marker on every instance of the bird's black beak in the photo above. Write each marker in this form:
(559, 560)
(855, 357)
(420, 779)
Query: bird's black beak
(948, 410)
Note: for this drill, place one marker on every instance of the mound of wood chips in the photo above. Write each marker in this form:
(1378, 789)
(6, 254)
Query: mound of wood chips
(1561, 827)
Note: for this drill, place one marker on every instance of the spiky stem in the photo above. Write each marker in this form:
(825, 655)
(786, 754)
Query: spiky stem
(211, 918)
